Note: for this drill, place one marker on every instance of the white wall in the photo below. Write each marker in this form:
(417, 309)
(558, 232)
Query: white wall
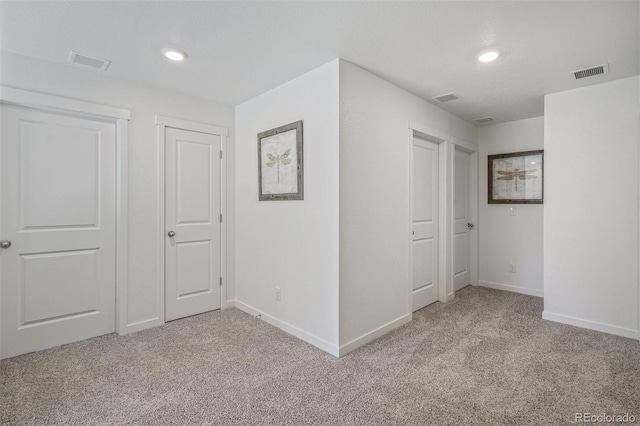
(591, 207)
(506, 239)
(146, 234)
(374, 198)
(291, 244)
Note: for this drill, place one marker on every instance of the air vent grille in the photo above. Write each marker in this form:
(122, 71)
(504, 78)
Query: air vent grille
(89, 62)
(483, 120)
(446, 97)
(591, 71)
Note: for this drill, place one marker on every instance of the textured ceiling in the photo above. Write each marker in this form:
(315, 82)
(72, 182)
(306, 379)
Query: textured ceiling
(241, 49)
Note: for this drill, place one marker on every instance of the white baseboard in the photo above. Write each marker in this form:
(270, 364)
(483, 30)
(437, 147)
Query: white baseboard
(592, 325)
(293, 330)
(372, 335)
(512, 288)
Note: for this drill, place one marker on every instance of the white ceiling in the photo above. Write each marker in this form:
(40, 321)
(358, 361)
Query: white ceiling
(241, 49)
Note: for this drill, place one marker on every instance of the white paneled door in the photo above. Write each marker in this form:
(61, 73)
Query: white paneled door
(192, 223)
(425, 223)
(462, 225)
(57, 226)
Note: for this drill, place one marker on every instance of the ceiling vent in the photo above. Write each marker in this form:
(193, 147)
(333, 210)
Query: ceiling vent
(88, 62)
(446, 97)
(483, 120)
(591, 71)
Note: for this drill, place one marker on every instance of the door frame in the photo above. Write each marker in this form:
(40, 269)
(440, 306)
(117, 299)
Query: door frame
(120, 118)
(472, 150)
(163, 122)
(445, 209)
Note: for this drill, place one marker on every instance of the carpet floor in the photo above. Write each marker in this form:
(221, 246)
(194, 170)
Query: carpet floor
(485, 358)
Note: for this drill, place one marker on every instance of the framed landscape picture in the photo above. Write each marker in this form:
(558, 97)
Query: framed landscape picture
(280, 173)
(516, 178)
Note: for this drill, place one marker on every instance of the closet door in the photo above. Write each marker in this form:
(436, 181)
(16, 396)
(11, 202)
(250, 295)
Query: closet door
(192, 222)
(425, 223)
(57, 226)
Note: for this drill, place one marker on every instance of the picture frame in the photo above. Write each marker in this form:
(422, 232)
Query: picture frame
(516, 178)
(280, 167)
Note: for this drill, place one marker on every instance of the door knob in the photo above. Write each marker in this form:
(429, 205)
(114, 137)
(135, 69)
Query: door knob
(470, 225)
(171, 234)
(5, 244)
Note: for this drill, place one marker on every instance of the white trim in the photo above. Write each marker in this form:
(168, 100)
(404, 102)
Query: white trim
(160, 290)
(464, 145)
(225, 221)
(425, 131)
(194, 126)
(511, 288)
(122, 224)
(409, 221)
(294, 331)
(162, 123)
(592, 325)
(447, 215)
(374, 334)
(120, 117)
(38, 100)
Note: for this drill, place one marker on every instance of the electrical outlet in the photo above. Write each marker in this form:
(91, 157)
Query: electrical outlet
(512, 267)
(278, 294)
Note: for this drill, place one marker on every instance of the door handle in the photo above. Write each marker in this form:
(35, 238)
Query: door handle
(470, 225)
(171, 234)
(5, 244)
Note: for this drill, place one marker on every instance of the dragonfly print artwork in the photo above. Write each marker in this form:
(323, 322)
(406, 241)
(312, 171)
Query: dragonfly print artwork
(516, 174)
(280, 173)
(516, 177)
(276, 160)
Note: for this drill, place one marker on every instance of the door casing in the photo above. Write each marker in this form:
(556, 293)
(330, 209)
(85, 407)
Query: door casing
(162, 123)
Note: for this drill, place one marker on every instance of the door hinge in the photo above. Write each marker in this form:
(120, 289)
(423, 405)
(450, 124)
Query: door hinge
(221, 154)
(220, 217)
(220, 281)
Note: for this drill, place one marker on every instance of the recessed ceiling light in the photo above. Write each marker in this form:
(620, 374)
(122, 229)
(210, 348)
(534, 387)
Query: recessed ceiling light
(175, 54)
(489, 56)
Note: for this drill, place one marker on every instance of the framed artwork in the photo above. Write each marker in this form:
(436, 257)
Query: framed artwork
(280, 173)
(516, 178)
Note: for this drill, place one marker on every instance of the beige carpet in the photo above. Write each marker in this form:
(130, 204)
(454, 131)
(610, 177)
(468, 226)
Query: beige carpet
(485, 358)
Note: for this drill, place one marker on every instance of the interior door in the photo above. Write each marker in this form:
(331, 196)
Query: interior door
(462, 225)
(58, 193)
(192, 220)
(425, 223)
